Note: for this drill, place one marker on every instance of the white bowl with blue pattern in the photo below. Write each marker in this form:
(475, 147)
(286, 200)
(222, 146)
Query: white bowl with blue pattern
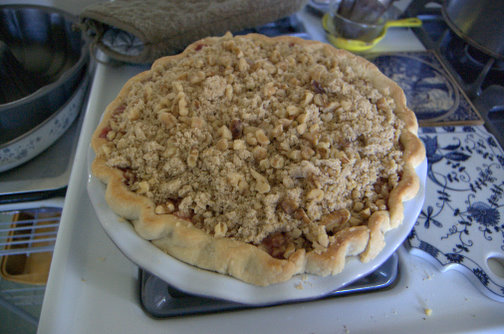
(34, 142)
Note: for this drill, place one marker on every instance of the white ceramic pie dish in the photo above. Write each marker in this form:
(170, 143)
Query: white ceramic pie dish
(196, 281)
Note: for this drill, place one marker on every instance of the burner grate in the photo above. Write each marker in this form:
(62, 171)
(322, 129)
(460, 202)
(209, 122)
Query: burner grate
(474, 69)
(290, 26)
(27, 239)
(480, 75)
(160, 300)
(30, 231)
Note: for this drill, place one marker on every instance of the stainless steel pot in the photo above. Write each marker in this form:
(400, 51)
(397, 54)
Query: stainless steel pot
(479, 22)
(44, 59)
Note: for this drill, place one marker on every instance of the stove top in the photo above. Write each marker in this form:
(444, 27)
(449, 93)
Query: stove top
(474, 69)
(94, 287)
(480, 75)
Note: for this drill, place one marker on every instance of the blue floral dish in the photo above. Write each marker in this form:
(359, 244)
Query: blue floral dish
(431, 92)
(38, 139)
(461, 224)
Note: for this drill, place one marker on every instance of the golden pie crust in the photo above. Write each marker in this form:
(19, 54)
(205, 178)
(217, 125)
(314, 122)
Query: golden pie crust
(260, 158)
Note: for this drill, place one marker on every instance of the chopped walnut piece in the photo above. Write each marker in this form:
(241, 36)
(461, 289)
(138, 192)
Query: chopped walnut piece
(197, 122)
(322, 237)
(315, 195)
(224, 132)
(288, 205)
(262, 185)
(220, 230)
(167, 119)
(289, 250)
(306, 152)
(261, 137)
(292, 110)
(301, 128)
(302, 118)
(159, 210)
(302, 216)
(229, 92)
(277, 131)
(192, 158)
(239, 144)
(294, 155)
(197, 77)
(238, 181)
(169, 207)
(366, 213)
(182, 105)
(277, 161)
(308, 98)
(162, 209)
(269, 89)
(106, 150)
(335, 220)
(251, 139)
(143, 187)
(222, 144)
(275, 244)
(260, 153)
(243, 66)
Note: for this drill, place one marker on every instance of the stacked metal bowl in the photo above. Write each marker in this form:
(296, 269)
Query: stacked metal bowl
(43, 64)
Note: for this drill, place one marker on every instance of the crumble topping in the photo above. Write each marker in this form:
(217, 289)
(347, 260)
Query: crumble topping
(272, 144)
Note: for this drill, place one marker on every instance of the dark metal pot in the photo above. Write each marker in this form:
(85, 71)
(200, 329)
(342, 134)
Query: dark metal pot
(44, 58)
(479, 22)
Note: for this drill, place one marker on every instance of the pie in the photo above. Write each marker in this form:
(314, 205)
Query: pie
(260, 158)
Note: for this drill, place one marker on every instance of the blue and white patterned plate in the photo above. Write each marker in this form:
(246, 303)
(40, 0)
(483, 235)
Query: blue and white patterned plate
(431, 92)
(461, 223)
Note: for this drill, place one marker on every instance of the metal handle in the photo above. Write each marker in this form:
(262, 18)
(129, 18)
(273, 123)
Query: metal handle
(408, 22)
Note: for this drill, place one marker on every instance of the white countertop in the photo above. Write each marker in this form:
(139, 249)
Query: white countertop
(93, 288)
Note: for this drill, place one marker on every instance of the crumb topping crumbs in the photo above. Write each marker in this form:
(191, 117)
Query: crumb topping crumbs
(271, 143)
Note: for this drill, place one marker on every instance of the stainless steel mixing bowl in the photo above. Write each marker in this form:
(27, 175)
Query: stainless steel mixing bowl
(44, 58)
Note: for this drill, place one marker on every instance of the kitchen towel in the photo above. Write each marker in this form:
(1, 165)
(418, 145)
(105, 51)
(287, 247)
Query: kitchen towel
(140, 31)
